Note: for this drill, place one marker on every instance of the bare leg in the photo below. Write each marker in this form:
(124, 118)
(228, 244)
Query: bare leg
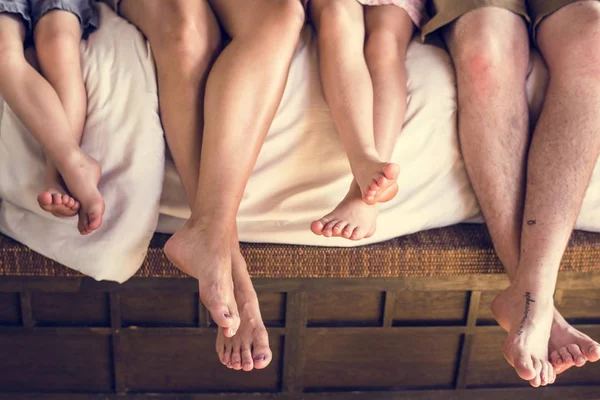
(349, 92)
(57, 39)
(494, 138)
(563, 154)
(38, 106)
(389, 30)
(242, 97)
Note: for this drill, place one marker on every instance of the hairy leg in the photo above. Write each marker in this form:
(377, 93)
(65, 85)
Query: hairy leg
(388, 33)
(564, 151)
(57, 39)
(494, 142)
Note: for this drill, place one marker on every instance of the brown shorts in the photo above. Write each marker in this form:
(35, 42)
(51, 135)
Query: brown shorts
(533, 11)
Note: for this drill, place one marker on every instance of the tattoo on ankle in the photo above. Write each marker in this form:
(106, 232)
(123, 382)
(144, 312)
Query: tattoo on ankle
(531, 222)
(528, 301)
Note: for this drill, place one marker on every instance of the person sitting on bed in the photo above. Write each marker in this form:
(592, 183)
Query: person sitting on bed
(216, 109)
(52, 105)
(362, 51)
(530, 188)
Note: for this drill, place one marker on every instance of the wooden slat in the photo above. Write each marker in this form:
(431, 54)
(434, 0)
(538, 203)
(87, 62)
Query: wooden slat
(117, 357)
(389, 309)
(26, 310)
(578, 281)
(295, 340)
(524, 393)
(467, 346)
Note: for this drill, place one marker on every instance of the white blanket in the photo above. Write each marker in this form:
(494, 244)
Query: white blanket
(301, 173)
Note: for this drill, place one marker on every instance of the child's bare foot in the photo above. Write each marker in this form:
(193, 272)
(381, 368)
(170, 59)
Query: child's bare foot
(529, 319)
(570, 347)
(200, 252)
(81, 174)
(249, 348)
(351, 219)
(56, 199)
(375, 180)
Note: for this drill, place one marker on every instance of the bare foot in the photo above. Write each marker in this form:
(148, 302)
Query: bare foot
(375, 179)
(351, 219)
(567, 347)
(570, 347)
(56, 199)
(249, 348)
(529, 321)
(200, 253)
(81, 174)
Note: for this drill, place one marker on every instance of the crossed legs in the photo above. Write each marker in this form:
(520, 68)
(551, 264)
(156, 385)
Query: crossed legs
(494, 141)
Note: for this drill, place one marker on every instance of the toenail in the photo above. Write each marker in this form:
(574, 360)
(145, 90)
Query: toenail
(231, 332)
(260, 358)
(227, 315)
(247, 364)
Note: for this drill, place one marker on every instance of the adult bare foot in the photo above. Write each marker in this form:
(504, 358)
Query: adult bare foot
(569, 347)
(249, 348)
(56, 198)
(528, 318)
(81, 174)
(375, 179)
(351, 219)
(200, 252)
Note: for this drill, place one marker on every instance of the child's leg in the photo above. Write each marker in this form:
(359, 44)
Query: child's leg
(57, 38)
(30, 96)
(349, 92)
(389, 30)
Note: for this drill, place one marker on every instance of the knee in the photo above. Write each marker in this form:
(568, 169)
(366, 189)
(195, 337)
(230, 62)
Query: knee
(187, 46)
(335, 19)
(576, 50)
(285, 20)
(490, 60)
(384, 48)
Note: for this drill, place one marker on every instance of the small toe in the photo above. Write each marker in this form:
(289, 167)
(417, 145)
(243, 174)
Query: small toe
(57, 199)
(328, 229)
(338, 228)
(247, 362)
(236, 358)
(566, 356)
(227, 355)
(556, 359)
(578, 356)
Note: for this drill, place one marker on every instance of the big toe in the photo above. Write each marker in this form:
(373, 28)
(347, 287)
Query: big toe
(593, 352)
(45, 198)
(525, 367)
(261, 352)
(225, 317)
(317, 227)
(391, 171)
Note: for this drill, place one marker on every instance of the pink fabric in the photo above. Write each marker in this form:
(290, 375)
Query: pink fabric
(414, 8)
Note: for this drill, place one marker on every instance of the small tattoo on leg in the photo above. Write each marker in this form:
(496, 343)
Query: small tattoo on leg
(528, 301)
(531, 222)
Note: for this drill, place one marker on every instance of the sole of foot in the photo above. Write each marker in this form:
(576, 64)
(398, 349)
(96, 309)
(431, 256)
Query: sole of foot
(81, 174)
(376, 180)
(58, 203)
(192, 251)
(529, 321)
